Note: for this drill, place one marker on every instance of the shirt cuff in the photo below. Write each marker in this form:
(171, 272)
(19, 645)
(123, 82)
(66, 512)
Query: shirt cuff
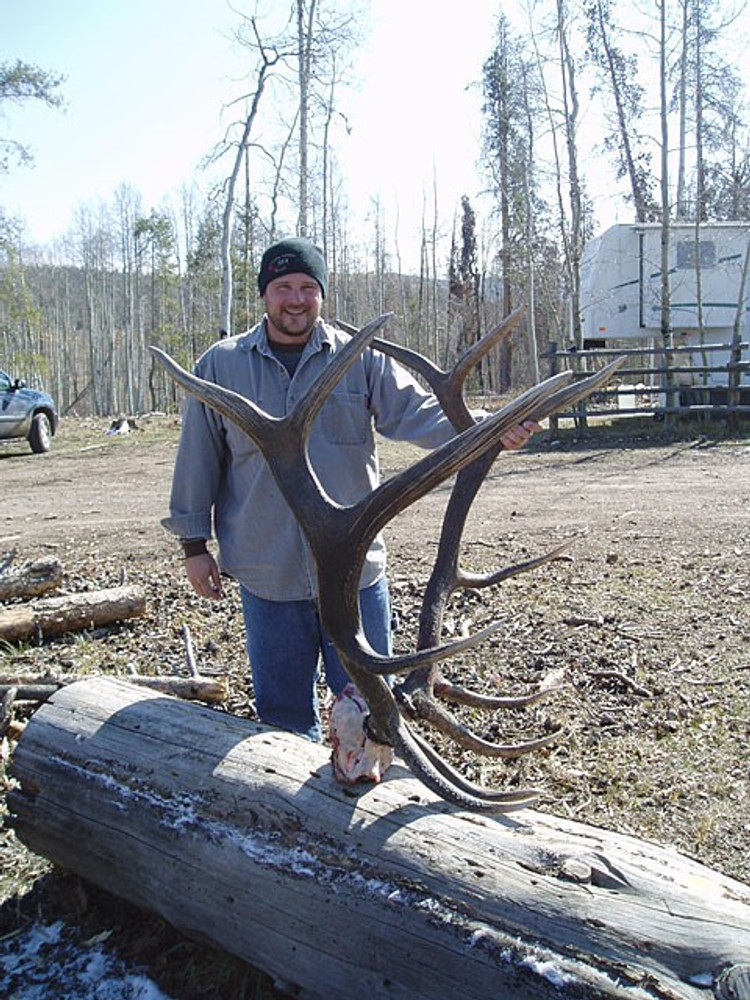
(193, 546)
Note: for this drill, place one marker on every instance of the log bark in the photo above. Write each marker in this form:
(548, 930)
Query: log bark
(30, 580)
(239, 833)
(52, 616)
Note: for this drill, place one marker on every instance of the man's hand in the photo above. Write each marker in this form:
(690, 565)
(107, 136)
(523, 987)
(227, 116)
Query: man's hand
(203, 573)
(517, 436)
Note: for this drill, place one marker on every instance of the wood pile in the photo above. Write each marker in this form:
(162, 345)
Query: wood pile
(30, 612)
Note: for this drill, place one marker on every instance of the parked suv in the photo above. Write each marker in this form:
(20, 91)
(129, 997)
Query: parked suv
(26, 413)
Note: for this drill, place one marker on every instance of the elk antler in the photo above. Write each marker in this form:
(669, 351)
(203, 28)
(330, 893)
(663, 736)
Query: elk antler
(416, 693)
(339, 538)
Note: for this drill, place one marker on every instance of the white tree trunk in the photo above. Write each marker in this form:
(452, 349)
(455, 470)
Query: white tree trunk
(239, 833)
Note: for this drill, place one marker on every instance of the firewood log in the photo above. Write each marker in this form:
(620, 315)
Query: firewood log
(53, 616)
(30, 580)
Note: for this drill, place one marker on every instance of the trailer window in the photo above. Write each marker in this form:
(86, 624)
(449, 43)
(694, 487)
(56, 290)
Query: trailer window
(686, 254)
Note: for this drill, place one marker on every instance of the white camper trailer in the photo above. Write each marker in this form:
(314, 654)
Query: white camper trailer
(621, 291)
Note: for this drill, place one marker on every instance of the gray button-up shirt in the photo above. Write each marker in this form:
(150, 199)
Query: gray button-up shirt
(222, 481)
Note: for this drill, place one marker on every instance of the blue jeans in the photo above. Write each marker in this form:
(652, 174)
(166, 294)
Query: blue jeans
(286, 643)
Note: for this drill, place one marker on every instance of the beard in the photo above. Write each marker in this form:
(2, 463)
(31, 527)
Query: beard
(296, 324)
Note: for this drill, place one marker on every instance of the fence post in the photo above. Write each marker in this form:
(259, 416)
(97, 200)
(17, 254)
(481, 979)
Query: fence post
(551, 355)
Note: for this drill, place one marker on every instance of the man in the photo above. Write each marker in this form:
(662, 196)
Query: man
(222, 483)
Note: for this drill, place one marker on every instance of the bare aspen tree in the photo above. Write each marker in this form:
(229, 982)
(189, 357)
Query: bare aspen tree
(126, 367)
(529, 210)
(327, 34)
(571, 109)
(619, 86)
(705, 95)
(267, 57)
(326, 172)
(305, 22)
(434, 319)
(422, 281)
(665, 304)
(330, 183)
(377, 297)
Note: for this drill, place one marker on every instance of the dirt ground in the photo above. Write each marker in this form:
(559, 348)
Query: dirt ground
(647, 616)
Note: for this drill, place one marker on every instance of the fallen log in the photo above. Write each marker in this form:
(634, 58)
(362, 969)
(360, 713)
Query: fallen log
(52, 616)
(30, 580)
(40, 687)
(238, 833)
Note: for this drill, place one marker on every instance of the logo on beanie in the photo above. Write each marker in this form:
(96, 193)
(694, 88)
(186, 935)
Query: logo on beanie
(285, 263)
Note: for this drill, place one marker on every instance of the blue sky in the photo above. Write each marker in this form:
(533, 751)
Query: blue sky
(147, 79)
(147, 82)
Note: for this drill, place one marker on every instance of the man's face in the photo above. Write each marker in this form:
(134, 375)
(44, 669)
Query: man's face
(293, 303)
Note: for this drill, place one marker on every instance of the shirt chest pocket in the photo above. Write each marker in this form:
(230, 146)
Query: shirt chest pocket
(345, 418)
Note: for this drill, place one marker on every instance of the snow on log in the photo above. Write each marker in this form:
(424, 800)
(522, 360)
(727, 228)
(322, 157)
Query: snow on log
(52, 616)
(238, 833)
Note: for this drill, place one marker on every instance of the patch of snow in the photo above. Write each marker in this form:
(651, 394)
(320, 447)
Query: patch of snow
(46, 960)
(705, 979)
(548, 970)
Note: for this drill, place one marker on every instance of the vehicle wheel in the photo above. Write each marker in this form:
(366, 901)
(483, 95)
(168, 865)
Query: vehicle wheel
(40, 435)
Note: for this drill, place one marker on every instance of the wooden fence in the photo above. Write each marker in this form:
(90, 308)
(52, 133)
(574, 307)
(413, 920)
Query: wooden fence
(661, 381)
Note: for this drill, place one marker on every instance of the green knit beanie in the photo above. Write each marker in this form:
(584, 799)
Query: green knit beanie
(295, 255)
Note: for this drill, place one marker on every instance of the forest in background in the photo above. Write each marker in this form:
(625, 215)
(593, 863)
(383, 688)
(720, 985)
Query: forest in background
(77, 318)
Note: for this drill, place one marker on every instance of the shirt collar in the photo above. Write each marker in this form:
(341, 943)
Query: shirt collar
(257, 338)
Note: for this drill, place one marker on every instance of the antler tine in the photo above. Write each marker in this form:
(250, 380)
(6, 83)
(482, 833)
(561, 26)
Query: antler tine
(383, 666)
(435, 715)
(474, 354)
(422, 758)
(310, 405)
(241, 411)
(447, 385)
(460, 695)
(479, 581)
